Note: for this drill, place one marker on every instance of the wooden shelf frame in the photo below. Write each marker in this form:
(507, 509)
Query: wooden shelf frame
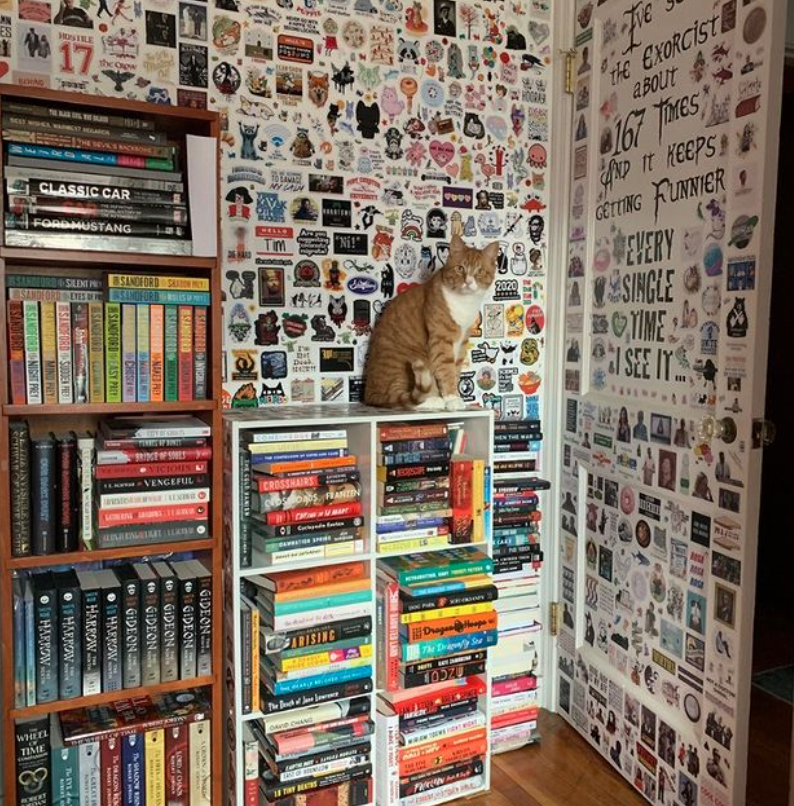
(175, 121)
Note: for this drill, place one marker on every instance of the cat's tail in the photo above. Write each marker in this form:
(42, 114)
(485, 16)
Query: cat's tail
(423, 385)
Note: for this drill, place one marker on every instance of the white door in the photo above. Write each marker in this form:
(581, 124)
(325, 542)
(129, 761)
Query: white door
(668, 286)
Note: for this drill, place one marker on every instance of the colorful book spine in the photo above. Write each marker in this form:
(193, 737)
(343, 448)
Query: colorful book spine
(143, 352)
(157, 282)
(200, 348)
(85, 471)
(159, 296)
(80, 362)
(129, 354)
(96, 352)
(64, 767)
(16, 352)
(185, 354)
(90, 775)
(19, 466)
(171, 353)
(49, 353)
(113, 352)
(32, 760)
(177, 772)
(200, 764)
(112, 774)
(63, 319)
(33, 369)
(134, 787)
(154, 767)
(156, 344)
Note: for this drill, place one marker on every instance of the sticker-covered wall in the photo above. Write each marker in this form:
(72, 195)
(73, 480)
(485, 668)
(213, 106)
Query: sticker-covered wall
(671, 101)
(359, 135)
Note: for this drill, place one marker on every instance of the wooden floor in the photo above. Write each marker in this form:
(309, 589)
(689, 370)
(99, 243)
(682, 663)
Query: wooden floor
(562, 770)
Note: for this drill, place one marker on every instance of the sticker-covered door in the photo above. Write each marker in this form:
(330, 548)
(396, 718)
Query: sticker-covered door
(667, 294)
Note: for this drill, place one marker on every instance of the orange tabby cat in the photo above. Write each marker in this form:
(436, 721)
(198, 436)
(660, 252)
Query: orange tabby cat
(419, 343)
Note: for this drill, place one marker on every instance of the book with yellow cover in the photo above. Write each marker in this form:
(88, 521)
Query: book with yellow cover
(478, 500)
(200, 764)
(447, 612)
(113, 351)
(158, 283)
(96, 352)
(254, 659)
(49, 353)
(154, 767)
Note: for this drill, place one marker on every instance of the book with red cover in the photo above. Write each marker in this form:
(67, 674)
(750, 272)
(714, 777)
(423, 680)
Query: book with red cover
(350, 793)
(110, 761)
(143, 457)
(514, 717)
(461, 471)
(300, 467)
(471, 748)
(277, 484)
(321, 513)
(427, 699)
(151, 469)
(16, 353)
(108, 518)
(177, 766)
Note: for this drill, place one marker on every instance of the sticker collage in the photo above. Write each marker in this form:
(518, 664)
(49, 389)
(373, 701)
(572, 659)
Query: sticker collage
(667, 157)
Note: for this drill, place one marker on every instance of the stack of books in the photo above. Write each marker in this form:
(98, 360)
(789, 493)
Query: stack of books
(429, 495)
(300, 498)
(152, 480)
(85, 180)
(438, 617)
(128, 338)
(517, 560)
(145, 750)
(306, 637)
(84, 632)
(432, 744)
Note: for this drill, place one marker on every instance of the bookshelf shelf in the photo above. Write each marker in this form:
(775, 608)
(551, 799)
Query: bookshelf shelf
(78, 557)
(107, 409)
(111, 696)
(52, 257)
(177, 123)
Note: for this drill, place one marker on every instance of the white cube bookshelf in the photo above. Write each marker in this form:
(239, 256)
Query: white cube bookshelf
(361, 423)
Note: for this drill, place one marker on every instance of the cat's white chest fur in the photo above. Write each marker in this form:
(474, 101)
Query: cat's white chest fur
(463, 308)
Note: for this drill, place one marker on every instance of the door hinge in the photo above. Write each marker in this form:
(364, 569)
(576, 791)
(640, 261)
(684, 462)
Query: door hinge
(554, 619)
(764, 433)
(570, 70)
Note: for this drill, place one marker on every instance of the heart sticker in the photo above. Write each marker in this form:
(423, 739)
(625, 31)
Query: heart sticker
(442, 153)
(619, 322)
(539, 32)
(453, 170)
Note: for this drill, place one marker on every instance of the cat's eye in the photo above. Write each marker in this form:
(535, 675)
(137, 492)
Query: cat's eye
(461, 270)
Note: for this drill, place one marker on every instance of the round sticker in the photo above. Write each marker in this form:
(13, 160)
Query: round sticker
(535, 319)
(754, 25)
(529, 352)
(602, 260)
(625, 535)
(432, 93)
(353, 34)
(226, 78)
(643, 533)
(486, 378)
(529, 382)
(627, 500)
(658, 584)
(692, 707)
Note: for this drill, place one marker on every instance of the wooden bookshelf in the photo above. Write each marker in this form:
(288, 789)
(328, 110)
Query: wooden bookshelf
(177, 122)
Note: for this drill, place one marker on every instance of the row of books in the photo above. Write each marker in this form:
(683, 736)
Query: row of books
(127, 338)
(86, 180)
(137, 480)
(145, 750)
(308, 668)
(85, 632)
(429, 495)
(300, 497)
(517, 559)
(438, 625)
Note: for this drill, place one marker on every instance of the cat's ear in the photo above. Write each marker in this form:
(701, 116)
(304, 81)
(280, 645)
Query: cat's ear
(456, 244)
(491, 252)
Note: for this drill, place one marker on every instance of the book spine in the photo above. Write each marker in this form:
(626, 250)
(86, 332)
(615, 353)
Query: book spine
(80, 361)
(20, 672)
(19, 465)
(387, 743)
(63, 317)
(318, 696)
(187, 628)
(177, 773)
(111, 639)
(251, 772)
(171, 352)
(158, 498)
(132, 768)
(70, 643)
(204, 627)
(142, 347)
(143, 533)
(152, 296)
(246, 534)
(320, 513)
(113, 351)
(44, 479)
(53, 295)
(156, 344)
(65, 768)
(151, 626)
(166, 514)
(33, 369)
(157, 281)
(154, 767)
(96, 352)
(78, 156)
(70, 140)
(134, 456)
(151, 469)
(68, 514)
(185, 352)
(32, 760)
(30, 645)
(79, 116)
(406, 432)
(169, 637)
(129, 354)
(200, 764)
(16, 352)
(131, 633)
(85, 459)
(313, 577)
(255, 673)
(92, 663)
(247, 655)
(49, 352)
(112, 777)
(443, 628)
(200, 317)
(392, 635)
(90, 777)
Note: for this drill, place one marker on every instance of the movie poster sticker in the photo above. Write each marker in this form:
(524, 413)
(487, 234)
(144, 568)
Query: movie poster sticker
(297, 49)
(33, 47)
(193, 70)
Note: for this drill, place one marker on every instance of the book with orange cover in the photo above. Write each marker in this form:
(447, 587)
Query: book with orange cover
(321, 513)
(446, 627)
(156, 351)
(16, 352)
(390, 433)
(185, 353)
(305, 578)
(272, 468)
(328, 589)
(431, 760)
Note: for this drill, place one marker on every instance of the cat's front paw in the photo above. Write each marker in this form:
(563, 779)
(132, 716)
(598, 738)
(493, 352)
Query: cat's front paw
(453, 403)
(434, 403)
